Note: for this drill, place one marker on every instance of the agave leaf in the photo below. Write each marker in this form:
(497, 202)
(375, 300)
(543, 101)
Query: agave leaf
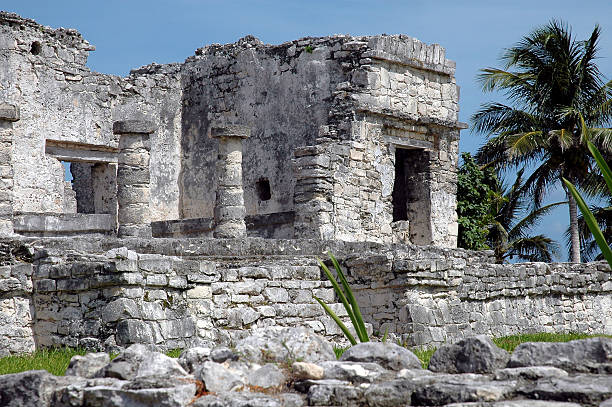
(340, 294)
(602, 164)
(591, 222)
(359, 325)
(333, 315)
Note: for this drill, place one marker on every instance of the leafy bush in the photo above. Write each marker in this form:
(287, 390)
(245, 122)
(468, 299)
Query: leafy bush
(475, 190)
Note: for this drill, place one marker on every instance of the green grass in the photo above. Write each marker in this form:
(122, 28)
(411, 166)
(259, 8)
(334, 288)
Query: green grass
(174, 353)
(424, 354)
(339, 350)
(54, 361)
(510, 342)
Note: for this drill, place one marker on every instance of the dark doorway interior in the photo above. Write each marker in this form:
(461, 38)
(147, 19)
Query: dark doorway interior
(263, 189)
(411, 197)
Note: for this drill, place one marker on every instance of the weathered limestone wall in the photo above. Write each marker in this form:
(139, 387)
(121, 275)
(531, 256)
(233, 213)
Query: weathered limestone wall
(123, 297)
(16, 319)
(281, 92)
(105, 292)
(363, 97)
(8, 114)
(431, 296)
(43, 72)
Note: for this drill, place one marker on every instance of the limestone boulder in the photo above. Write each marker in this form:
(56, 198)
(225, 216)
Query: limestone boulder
(354, 372)
(388, 355)
(388, 394)
(471, 355)
(280, 345)
(447, 389)
(584, 355)
(193, 358)
(517, 403)
(250, 399)
(584, 389)
(219, 378)
(529, 373)
(159, 392)
(267, 378)
(334, 393)
(29, 389)
(307, 371)
(222, 353)
(607, 403)
(88, 365)
(141, 361)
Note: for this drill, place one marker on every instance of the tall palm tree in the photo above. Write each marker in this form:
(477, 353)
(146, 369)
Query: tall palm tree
(555, 91)
(509, 237)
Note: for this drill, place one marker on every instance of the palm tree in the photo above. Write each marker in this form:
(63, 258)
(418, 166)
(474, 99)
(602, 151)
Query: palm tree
(508, 237)
(556, 91)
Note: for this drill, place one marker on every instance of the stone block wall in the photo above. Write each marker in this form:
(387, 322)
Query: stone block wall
(123, 297)
(363, 96)
(16, 316)
(104, 292)
(428, 297)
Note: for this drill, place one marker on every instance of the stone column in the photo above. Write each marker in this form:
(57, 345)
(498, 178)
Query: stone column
(133, 177)
(8, 114)
(229, 204)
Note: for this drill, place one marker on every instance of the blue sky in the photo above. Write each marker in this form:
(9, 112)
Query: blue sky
(132, 33)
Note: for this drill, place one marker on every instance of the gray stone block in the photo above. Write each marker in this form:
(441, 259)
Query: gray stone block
(9, 112)
(134, 127)
(229, 130)
(471, 355)
(388, 355)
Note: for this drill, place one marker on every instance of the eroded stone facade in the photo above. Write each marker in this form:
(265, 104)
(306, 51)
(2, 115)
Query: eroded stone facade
(363, 103)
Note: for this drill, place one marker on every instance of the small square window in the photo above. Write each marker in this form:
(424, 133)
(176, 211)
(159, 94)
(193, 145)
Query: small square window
(263, 189)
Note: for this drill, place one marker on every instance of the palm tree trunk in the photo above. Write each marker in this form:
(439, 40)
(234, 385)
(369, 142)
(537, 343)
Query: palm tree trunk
(575, 237)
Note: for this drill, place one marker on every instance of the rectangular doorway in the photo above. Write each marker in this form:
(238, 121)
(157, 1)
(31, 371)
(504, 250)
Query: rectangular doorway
(411, 192)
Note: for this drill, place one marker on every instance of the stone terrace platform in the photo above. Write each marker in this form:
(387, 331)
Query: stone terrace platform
(104, 292)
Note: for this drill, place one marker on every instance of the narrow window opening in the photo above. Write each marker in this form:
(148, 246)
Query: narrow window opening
(70, 202)
(263, 189)
(400, 205)
(36, 48)
(83, 186)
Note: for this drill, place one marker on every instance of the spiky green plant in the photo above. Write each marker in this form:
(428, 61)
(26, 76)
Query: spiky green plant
(345, 294)
(588, 216)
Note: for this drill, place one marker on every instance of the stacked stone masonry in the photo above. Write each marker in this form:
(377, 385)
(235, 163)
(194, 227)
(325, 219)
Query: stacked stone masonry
(8, 114)
(362, 102)
(105, 293)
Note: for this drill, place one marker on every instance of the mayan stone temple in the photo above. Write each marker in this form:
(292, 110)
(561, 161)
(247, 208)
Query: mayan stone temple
(203, 192)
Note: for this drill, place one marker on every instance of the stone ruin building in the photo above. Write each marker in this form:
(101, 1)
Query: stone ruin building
(203, 192)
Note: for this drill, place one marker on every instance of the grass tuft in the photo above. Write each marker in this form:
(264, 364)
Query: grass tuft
(424, 355)
(54, 361)
(174, 353)
(339, 350)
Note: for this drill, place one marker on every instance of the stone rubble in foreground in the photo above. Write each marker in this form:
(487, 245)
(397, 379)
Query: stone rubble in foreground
(295, 367)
